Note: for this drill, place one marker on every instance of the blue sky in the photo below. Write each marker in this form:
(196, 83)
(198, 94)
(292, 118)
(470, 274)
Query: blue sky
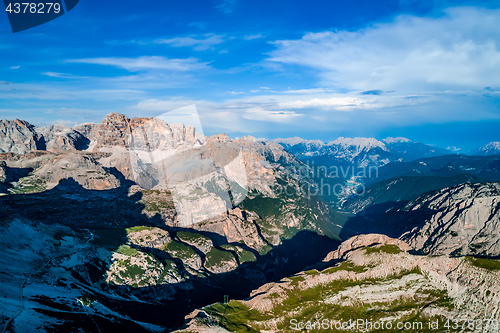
(426, 70)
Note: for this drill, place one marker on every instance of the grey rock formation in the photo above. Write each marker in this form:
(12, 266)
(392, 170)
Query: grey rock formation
(17, 136)
(81, 169)
(462, 220)
(360, 241)
(85, 129)
(60, 136)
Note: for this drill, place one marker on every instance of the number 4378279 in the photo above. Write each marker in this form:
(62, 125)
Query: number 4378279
(33, 8)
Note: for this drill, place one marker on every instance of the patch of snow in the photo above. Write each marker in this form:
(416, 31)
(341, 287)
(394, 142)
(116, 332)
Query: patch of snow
(399, 139)
(296, 140)
(361, 143)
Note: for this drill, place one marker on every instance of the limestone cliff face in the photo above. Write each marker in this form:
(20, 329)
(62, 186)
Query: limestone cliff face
(145, 134)
(112, 131)
(461, 220)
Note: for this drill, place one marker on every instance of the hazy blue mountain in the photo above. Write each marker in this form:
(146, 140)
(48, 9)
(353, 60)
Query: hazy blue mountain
(485, 167)
(492, 148)
(362, 152)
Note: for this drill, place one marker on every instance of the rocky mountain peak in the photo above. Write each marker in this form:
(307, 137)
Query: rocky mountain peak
(17, 136)
(460, 220)
(116, 118)
(360, 143)
(391, 140)
(492, 148)
(296, 140)
(112, 131)
(220, 138)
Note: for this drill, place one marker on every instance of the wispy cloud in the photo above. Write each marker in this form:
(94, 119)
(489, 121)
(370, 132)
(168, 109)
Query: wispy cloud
(64, 75)
(336, 103)
(225, 6)
(146, 63)
(198, 44)
(259, 114)
(15, 67)
(251, 37)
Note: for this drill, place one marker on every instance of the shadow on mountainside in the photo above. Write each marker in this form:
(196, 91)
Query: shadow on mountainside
(12, 175)
(386, 218)
(110, 212)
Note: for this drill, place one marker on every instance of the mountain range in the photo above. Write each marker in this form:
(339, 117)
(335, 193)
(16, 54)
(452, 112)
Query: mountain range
(147, 213)
(135, 225)
(366, 152)
(362, 152)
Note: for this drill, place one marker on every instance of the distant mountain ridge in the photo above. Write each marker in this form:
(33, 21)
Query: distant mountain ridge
(362, 152)
(485, 167)
(492, 148)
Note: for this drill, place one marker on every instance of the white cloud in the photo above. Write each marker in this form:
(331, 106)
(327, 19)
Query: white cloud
(146, 63)
(61, 91)
(200, 44)
(252, 37)
(338, 103)
(259, 114)
(15, 67)
(460, 49)
(63, 75)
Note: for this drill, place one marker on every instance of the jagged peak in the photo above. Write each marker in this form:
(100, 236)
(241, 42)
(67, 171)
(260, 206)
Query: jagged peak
(297, 140)
(249, 138)
(492, 148)
(113, 116)
(220, 138)
(399, 139)
(494, 145)
(17, 122)
(358, 142)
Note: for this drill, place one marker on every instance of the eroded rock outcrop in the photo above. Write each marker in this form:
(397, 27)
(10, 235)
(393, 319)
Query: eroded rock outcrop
(82, 169)
(461, 220)
(17, 136)
(60, 136)
(360, 241)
